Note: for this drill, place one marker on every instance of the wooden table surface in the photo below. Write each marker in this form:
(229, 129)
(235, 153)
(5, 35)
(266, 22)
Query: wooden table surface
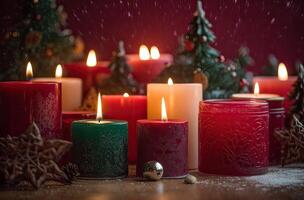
(278, 183)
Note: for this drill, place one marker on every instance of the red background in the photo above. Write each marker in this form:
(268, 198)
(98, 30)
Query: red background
(265, 26)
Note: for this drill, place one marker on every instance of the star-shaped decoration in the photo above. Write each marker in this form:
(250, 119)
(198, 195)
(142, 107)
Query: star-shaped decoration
(32, 159)
(292, 142)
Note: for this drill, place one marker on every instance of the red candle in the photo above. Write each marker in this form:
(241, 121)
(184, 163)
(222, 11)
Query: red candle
(90, 72)
(127, 108)
(21, 103)
(233, 137)
(165, 141)
(276, 121)
(67, 119)
(280, 85)
(147, 66)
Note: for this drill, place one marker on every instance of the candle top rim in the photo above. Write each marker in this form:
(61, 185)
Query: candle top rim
(103, 122)
(274, 77)
(262, 96)
(130, 55)
(100, 63)
(235, 106)
(14, 83)
(67, 114)
(158, 121)
(121, 96)
(55, 79)
(174, 84)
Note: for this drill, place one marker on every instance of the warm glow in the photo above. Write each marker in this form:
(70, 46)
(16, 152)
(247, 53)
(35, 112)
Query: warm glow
(99, 109)
(29, 71)
(282, 72)
(154, 53)
(125, 95)
(163, 110)
(144, 53)
(170, 81)
(58, 73)
(256, 89)
(92, 61)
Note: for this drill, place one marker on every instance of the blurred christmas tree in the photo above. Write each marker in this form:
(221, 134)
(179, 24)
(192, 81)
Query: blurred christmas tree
(242, 61)
(297, 95)
(121, 79)
(40, 38)
(197, 61)
(271, 69)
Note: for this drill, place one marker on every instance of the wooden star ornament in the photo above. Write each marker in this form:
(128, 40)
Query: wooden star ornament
(29, 158)
(292, 142)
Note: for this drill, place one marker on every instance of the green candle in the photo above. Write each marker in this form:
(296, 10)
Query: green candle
(100, 147)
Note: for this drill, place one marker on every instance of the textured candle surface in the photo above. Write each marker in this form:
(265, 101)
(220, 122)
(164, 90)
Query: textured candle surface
(100, 149)
(165, 142)
(130, 109)
(233, 137)
(23, 102)
(276, 121)
(182, 102)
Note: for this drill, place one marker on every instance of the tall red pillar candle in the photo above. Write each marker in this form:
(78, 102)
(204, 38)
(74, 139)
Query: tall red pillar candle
(21, 103)
(233, 137)
(147, 66)
(165, 142)
(276, 121)
(127, 108)
(91, 72)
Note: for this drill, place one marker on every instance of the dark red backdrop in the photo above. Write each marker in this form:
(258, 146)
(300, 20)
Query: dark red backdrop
(265, 26)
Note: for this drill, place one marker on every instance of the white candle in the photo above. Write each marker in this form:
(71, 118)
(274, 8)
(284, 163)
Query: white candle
(71, 90)
(182, 102)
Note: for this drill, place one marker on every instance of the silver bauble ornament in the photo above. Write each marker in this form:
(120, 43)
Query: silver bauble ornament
(153, 170)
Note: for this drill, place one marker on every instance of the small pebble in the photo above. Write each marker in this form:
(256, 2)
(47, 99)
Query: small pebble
(190, 179)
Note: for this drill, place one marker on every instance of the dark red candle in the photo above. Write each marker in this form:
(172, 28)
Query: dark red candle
(21, 103)
(127, 108)
(276, 121)
(67, 119)
(165, 142)
(233, 137)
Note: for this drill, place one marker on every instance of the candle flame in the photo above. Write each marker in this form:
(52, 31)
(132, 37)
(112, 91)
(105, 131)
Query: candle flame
(282, 72)
(256, 89)
(170, 81)
(29, 71)
(126, 95)
(58, 73)
(154, 53)
(91, 61)
(144, 53)
(163, 110)
(99, 109)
